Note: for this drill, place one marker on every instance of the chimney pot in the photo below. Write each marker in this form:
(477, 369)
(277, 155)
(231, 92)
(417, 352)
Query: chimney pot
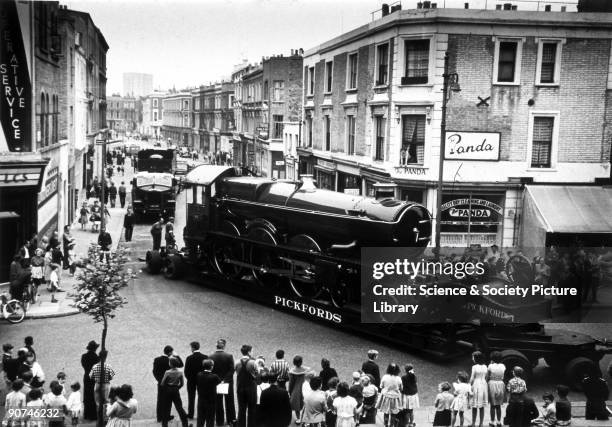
(563, 8)
(498, 7)
(426, 5)
(466, 5)
(547, 8)
(385, 9)
(420, 5)
(514, 7)
(434, 5)
(507, 6)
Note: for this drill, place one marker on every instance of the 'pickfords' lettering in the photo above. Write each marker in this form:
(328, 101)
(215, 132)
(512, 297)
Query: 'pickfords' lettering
(309, 309)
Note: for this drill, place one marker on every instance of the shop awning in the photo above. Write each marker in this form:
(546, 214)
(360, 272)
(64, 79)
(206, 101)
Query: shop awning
(572, 209)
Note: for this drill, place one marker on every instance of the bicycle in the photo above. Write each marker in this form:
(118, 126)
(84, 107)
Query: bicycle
(12, 310)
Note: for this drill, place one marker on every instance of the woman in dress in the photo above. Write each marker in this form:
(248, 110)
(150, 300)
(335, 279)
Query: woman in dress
(345, 407)
(88, 360)
(121, 411)
(296, 380)
(461, 403)
(390, 403)
(497, 388)
(480, 391)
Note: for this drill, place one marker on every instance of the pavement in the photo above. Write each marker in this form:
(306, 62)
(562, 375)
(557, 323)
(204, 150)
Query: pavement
(44, 308)
(422, 416)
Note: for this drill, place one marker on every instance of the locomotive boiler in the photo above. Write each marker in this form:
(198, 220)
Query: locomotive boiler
(291, 236)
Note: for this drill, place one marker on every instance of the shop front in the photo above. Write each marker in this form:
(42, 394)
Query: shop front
(20, 179)
(305, 162)
(325, 174)
(278, 164)
(566, 216)
(349, 179)
(472, 218)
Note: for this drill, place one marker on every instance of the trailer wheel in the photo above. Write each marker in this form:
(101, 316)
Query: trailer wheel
(512, 358)
(305, 288)
(576, 369)
(175, 267)
(154, 262)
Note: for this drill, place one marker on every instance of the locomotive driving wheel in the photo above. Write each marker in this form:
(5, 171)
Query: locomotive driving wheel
(304, 285)
(264, 258)
(340, 293)
(223, 251)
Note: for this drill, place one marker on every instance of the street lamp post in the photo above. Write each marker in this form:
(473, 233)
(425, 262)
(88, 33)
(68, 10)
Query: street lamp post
(103, 190)
(449, 79)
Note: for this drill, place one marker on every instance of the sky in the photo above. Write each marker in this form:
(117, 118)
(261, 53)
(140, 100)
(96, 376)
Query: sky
(188, 43)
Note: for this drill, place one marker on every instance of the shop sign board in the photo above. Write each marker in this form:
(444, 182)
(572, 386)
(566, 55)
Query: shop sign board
(409, 170)
(326, 164)
(15, 84)
(50, 184)
(279, 163)
(472, 146)
(19, 177)
(352, 191)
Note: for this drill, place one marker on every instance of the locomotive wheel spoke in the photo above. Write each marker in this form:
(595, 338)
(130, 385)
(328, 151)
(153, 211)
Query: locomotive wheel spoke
(222, 251)
(264, 258)
(305, 288)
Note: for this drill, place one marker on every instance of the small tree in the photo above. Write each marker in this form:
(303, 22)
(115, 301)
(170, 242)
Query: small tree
(97, 293)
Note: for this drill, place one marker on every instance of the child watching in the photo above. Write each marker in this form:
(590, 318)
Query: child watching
(463, 390)
(443, 403)
(35, 397)
(516, 385)
(563, 406)
(55, 400)
(549, 417)
(53, 282)
(74, 405)
(61, 379)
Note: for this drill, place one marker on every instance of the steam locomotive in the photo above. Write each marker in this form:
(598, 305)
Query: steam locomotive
(290, 235)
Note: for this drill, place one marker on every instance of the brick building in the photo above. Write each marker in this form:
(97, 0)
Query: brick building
(124, 115)
(213, 117)
(176, 121)
(526, 115)
(84, 82)
(270, 95)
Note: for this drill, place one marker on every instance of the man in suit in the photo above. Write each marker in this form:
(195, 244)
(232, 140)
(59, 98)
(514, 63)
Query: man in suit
(224, 368)
(160, 365)
(275, 406)
(370, 367)
(207, 383)
(193, 365)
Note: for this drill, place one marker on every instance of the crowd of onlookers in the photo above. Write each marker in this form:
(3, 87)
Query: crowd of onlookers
(279, 392)
(586, 268)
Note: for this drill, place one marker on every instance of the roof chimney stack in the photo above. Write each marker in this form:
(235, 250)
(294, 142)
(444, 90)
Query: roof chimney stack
(507, 6)
(396, 8)
(385, 9)
(466, 5)
(547, 8)
(426, 5)
(563, 8)
(498, 7)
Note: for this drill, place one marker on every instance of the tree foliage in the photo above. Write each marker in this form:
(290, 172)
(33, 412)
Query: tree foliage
(99, 283)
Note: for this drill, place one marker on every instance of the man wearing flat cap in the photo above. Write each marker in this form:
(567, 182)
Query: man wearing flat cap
(370, 367)
(224, 369)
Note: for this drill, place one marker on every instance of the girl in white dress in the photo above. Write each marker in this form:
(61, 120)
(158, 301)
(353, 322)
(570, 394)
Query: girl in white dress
(461, 403)
(345, 407)
(390, 402)
(74, 404)
(497, 388)
(480, 390)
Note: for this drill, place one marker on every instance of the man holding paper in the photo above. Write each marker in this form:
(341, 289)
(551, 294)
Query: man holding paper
(224, 368)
